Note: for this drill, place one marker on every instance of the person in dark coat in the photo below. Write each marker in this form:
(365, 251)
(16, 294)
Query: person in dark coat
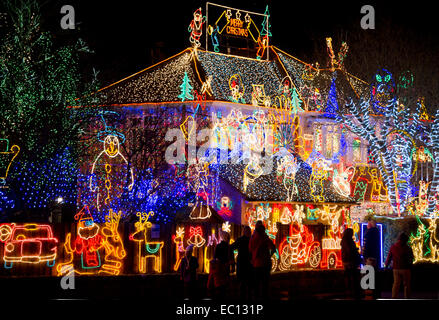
(371, 252)
(188, 269)
(223, 257)
(402, 256)
(243, 265)
(351, 262)
(261, 249)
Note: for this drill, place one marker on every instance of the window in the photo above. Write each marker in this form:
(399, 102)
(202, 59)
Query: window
(356, 150)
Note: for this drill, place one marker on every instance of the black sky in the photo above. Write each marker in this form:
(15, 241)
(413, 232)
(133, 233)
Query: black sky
(123, 33)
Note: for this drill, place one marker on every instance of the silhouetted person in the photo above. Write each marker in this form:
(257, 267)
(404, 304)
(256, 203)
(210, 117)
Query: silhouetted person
(243, 265)
(188, 268)
(402, 256)
(351, 262)
(223, 259)
(261, 249)
(371, 252)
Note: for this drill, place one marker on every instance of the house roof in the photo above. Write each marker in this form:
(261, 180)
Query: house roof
(160, 83)
(271, 187)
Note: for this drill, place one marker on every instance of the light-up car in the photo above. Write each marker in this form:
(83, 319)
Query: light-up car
(28, 243)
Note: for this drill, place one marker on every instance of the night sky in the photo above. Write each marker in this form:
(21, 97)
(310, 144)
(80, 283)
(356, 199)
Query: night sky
(126, 35)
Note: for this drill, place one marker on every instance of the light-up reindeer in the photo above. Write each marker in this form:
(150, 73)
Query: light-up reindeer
(147, 248)
(178, 239)
(433, 240)
(417, 242)
(114, 249)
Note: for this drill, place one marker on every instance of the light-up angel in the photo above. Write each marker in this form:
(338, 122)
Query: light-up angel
(287, 168)
(198, 179)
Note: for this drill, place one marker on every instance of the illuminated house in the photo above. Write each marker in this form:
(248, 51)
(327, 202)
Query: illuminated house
(229, 94)
(206, 141)
(275, 150)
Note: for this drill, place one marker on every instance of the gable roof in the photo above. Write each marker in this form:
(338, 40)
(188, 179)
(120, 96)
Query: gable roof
(160, 83)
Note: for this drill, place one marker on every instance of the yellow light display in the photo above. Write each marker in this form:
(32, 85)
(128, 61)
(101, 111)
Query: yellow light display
(113, 244)
(318, 174)
(85, 247)
(425, 244)
(84, 252)
(6, 159)
(258, 96)
(377, 186)
(178, 239)
(146, 247)
(191, 124)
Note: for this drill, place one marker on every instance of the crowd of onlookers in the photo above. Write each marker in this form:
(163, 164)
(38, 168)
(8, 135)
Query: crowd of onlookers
(253, 264)
(400, 255)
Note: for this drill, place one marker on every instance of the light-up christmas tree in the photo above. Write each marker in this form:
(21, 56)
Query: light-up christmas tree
(266, 26)
(332, 104)
(186, 89)
(295, 101)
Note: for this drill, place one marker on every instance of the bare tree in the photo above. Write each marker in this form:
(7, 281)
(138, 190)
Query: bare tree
(412, 61)
(391, 143)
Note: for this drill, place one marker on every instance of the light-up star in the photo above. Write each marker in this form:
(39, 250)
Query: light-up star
(238, 15)
(180, 232)
(226, 226)
(247, 18)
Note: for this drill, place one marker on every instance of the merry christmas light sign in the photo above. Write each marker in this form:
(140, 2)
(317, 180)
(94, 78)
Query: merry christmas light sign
(228, 29)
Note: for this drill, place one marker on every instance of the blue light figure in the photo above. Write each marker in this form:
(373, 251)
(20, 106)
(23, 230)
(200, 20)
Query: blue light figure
(214, 37)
